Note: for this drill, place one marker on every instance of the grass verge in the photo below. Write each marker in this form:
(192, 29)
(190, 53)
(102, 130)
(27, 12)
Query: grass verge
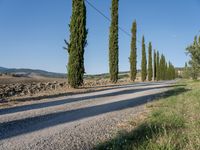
(173, 123)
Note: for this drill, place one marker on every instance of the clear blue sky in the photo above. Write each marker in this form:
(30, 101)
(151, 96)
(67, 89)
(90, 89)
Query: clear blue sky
(32, 31)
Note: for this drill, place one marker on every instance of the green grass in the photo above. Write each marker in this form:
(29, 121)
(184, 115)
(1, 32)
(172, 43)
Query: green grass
(173, 123)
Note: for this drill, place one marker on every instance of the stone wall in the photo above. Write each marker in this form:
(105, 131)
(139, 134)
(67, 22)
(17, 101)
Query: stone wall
(20, 89)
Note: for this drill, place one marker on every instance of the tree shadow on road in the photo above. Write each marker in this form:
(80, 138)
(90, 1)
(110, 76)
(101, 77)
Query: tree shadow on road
(63, 101)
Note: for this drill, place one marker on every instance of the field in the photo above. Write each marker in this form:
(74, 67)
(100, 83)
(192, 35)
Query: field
(172, 123)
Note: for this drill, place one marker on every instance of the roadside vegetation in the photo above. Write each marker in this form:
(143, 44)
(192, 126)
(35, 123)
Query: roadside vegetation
(173, 123)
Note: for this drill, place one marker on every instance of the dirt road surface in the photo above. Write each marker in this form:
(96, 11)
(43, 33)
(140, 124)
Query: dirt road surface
(76, 122)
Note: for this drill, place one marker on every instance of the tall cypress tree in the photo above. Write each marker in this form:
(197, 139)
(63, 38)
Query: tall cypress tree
(166, 68)
(154, 64)
(113, 43)
(167, 71)
(133, 53)
(157, 66)
(162, 67)
(144, 61)
(171, 71)
(150, 70)
(77, 43)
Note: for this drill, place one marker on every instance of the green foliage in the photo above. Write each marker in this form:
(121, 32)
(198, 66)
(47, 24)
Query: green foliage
(77, 43)
(171, 72)
(194, 52)
(194, 69)
(163, 70)
(144, 61)
(157, 66)
(133, 54)
(113, 43)
(186, 72)
(162, 67)
(154, 65)
(150, 70)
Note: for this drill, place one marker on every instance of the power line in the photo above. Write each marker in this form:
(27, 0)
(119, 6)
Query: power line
(106, 17)
(101, 13)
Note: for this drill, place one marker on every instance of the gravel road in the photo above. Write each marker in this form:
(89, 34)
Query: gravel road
(74, 122)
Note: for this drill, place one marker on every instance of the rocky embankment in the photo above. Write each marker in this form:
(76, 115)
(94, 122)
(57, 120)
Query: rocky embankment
(20, 89)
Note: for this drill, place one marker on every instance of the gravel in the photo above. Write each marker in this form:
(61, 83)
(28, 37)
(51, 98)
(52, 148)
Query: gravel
(74, 122)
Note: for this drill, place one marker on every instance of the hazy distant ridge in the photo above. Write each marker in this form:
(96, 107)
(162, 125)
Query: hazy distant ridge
(29, 72)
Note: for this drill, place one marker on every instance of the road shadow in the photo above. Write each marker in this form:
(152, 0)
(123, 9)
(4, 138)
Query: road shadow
(71, 100)
(27, 125)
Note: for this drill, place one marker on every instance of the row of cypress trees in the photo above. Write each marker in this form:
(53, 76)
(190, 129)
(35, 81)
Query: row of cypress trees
(77, 43)
(158, 68)
(163, 70)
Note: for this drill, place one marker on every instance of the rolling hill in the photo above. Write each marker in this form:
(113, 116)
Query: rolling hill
(31, 72)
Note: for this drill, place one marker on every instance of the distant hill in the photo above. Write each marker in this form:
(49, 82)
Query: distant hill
(2, 69)
(36, 72)
(31, 72)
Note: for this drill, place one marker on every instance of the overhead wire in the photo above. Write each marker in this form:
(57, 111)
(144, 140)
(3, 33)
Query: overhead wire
(107, 18)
